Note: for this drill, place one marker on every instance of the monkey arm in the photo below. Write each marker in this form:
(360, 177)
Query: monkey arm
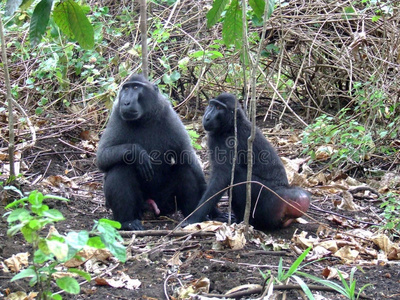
(129, 154)
(211, 196)
(107, 157)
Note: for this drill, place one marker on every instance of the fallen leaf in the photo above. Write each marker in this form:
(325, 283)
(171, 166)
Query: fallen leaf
(332, 273)
(21, 296)
(61, 181)
(348, 203)
(329, 245)
(392, 250)
(324, 153)
(16, 262)
(301, 240)
(202, 285)
(204, 226)
(346, 254)
(121, 281)
(88, 253)
(231, 236)
(175, 260)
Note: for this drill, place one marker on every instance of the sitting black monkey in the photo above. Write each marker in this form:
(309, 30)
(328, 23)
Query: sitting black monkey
(146, 155)
(267, 210)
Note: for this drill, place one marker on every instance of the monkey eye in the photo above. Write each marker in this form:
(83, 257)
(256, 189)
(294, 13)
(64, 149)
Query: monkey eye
(217, 107)
(135, 87)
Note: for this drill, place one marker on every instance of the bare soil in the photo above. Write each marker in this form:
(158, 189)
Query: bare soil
(165, 264)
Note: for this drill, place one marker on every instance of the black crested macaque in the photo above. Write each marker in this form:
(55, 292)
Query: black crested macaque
(147, 157)
(267, 210)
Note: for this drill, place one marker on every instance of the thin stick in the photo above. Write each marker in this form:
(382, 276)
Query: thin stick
(143, 32)
(11, 139)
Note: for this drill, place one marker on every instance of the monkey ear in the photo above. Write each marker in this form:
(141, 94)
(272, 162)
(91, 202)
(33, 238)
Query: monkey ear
(155, 87)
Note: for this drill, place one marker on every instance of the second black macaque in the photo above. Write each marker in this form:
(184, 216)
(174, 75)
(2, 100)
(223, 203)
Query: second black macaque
(267, 210)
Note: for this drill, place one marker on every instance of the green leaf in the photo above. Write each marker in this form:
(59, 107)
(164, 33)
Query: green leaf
(197, 54)
(338, 288)
(29, 233)
(118, 250)
(69, 16)
(215, 12)
(271, 7)
(34, 224)
(360, 128)
(175, 76)
(293, 268)
(81, 273)
(14, 189)
(40, 19)
(36, 199)
(214, 54)
(167, 79)
(12, 6)
(349, 13)
(15, 229)
(40, 257)
(55, 197)
(25, 4)
(375, 18)
(29, 272)
(38, 111)
(16, 202)
(20, 214)
(54, 214)
(362, 288)
(113, 223)
(304, 287)
(77, 240)
(232, 30)
(59, 249)
(96, 242)
(109, 237)
(258, 7)
(69, 285)
(56, 297)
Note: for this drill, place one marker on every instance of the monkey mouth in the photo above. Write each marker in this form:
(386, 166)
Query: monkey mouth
(208, 127)
(130, 115)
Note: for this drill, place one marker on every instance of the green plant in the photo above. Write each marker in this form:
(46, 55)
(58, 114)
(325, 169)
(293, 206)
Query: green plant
(346, 289)
(50, 251)
(283, 276)
(349, 139)
(194, 137)
(391, 211)
(69, 16)
(366, 126)
(231, 10)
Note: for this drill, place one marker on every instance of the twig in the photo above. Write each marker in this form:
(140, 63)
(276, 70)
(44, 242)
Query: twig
(172, 233)
(313, 207)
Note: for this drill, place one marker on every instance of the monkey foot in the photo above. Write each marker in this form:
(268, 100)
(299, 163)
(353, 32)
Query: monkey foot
(132, 225)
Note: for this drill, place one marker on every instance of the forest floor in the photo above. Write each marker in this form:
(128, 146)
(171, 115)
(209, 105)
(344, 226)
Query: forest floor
(174, 266)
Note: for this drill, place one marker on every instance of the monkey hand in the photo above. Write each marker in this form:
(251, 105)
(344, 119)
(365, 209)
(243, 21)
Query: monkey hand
(143, 162)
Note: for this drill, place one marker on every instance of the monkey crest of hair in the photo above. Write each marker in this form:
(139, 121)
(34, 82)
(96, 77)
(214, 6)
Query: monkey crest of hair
(147, 157)
(268, 211)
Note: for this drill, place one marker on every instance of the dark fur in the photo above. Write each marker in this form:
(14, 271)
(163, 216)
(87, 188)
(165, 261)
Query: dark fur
(146, 153)
(270, 212)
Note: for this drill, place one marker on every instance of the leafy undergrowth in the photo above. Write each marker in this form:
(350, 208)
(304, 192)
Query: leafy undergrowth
(339, 228)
